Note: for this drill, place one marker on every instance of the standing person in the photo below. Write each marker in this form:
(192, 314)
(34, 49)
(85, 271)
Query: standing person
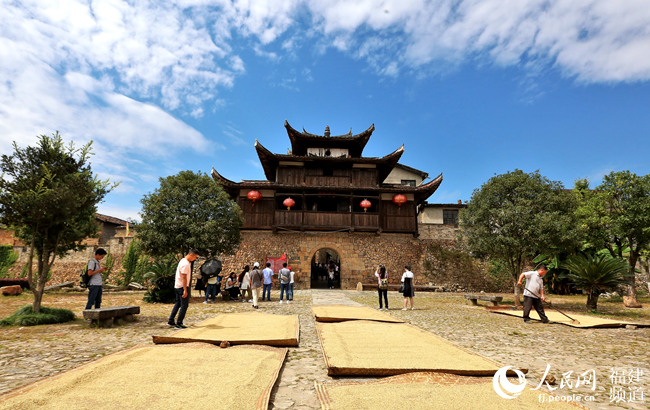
(246, 284)
(211, 289)
(268, 281)
(256, 283)
(533, 292)
(181, 287)
(330, 274)
(382, 285)
(409, 290)
(285, 276)
(291, 283)
(95, 283)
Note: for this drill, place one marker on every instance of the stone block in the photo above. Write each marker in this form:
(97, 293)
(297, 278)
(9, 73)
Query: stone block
(14, 290)
(628, 302)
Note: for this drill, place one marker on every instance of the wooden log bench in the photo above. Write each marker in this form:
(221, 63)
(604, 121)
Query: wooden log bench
(105, 317)
(488, 298)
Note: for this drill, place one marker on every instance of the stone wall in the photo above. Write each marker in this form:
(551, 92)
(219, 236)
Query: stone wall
(68, 268)
(438, 232)
(359, 253)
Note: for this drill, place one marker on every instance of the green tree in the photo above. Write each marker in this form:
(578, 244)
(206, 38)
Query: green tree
(48, 196)
(595, 274)
(130, 262)
(189, 210)
(7, 259)
(160, 281)
(616, 217)
(515, 216)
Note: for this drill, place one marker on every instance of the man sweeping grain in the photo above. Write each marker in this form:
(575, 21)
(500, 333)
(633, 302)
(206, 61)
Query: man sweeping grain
(534, 292)
(181, 285)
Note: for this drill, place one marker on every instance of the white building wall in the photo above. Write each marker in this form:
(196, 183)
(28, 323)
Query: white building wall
(430, 215)
(398, 174)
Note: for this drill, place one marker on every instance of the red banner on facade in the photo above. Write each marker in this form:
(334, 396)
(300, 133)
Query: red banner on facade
(276, 263)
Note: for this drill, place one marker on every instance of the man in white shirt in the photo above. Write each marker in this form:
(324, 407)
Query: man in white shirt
(534, 292)
(181, 286)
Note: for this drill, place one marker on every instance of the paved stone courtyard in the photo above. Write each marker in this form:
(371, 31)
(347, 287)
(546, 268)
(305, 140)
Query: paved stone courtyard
(28, 354)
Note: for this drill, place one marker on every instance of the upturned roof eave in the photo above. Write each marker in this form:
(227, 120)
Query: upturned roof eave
(300, 141)
(270, 160)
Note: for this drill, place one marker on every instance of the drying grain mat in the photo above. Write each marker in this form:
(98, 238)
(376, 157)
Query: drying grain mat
(427, 391)
(160, 377)
(342, 313)
(585, 321)
(240, 328)
(367, 348)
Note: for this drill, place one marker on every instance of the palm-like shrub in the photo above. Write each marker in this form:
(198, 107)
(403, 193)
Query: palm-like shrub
(595, 274)
(160, 279)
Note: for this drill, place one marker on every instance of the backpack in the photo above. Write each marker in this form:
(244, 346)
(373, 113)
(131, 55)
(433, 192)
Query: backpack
(84, 278)
(383, 285)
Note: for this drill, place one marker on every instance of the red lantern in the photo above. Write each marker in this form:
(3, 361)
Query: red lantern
(365, 204)
(289, 203)
(399, 199)
(253, 196)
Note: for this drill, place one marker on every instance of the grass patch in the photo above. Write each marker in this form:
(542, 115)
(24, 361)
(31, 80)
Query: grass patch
(25, 316)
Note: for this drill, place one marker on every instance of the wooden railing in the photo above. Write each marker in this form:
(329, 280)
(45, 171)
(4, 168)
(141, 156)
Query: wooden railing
(366, 220)
(288, 218)
(327, 181)
(333, 219)
(399, 223)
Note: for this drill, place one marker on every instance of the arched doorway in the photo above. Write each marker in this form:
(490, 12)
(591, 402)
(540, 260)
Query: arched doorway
(323, 260)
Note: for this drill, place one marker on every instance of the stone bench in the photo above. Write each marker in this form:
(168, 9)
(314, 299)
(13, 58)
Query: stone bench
(488, 298)
(105, 317)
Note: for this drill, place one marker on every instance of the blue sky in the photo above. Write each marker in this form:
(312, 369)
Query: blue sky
(471, 88)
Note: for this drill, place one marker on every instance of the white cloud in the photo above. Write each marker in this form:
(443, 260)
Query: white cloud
(111, 70)
(593, 41)
(126, 213)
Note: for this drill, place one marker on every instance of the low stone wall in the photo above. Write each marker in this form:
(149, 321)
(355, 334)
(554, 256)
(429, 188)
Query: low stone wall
(68, 268)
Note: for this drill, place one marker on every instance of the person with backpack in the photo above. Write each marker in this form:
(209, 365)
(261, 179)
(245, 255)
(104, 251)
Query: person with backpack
(382, 285)
(285, 278)
(95, 283)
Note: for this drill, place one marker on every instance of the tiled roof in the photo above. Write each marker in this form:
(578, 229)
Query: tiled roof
(110, 219)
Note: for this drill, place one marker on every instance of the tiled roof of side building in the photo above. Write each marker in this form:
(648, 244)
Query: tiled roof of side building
(110, 219)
